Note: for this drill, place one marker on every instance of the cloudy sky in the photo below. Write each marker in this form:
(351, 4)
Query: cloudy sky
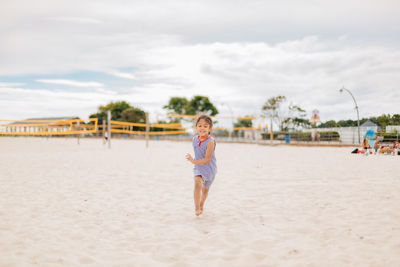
(64, 58)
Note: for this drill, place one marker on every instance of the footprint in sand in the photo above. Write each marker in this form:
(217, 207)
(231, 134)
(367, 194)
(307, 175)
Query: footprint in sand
(85, 260)
(293, 252)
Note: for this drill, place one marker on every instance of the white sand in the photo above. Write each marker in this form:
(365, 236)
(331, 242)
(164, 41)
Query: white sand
(63, 204)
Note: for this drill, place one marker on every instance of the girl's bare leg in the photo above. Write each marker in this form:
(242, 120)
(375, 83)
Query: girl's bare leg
(198, 185)
(204, 194)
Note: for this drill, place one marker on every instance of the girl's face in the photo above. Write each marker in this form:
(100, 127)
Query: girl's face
(203, 128)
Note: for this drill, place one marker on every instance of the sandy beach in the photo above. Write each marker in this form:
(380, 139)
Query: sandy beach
(64, 204)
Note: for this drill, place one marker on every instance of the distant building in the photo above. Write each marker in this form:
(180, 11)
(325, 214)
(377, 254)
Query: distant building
(370, 125)
(45, 119)
(393, 128)
(35, 126)
(349, 135)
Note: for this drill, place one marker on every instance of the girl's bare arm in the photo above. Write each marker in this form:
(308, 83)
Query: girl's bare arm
(207, 158)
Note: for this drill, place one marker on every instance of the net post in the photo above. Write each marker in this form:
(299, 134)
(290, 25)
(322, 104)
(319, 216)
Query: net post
(77, 128)
(271, 136)
(109, 128)
(147, 129)
(103, 132)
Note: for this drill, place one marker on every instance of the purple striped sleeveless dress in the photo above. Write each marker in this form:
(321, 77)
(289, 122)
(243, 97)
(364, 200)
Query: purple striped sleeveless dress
(206, 171)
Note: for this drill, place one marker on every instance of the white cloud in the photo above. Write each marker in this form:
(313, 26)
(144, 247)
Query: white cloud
(7, 84)
(244, 75)
(239, 52)
(76, 20)
(71, 83)
(124, 75)
(21, 103)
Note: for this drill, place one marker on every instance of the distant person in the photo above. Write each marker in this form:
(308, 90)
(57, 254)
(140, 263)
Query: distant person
(318, 136)
(105, 137)
(385, 149)
(365, 145)
(205, 164)
(396, 147)
(376, 145)
(391, 150)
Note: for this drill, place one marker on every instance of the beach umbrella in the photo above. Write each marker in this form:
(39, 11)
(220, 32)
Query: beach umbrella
(370, 135)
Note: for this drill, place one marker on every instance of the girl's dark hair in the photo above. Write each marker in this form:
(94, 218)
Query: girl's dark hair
(206, 118)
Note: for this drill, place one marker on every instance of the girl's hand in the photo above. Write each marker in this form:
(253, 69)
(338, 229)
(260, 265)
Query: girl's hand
(189, 157)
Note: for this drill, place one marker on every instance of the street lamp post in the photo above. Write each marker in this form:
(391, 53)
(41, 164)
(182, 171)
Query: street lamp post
(358, 116)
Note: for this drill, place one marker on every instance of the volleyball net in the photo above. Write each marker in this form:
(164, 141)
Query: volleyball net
(78, 126)
(261, 126)
(91, 126)
(140, 128)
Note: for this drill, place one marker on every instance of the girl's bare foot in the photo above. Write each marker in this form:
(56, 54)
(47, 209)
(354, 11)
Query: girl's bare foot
(198, 212)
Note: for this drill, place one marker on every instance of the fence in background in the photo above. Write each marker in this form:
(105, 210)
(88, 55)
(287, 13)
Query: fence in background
(177, 131)
(47, 127)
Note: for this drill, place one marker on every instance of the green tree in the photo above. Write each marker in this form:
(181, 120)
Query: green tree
(133, 115)
(295, 118)
(384, 120)
(200, 104)
(242, 123)
(300, 122)
(347, 123)
(101, 116)
(272, 109)
(120, 111)
(328, 124)
(395, 119)
(116, 109)
(177, 105)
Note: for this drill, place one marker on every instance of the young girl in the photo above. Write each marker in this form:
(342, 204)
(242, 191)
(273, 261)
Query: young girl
(205, 164)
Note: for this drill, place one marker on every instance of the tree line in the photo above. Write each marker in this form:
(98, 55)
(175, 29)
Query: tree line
(382, 121)
(287, 116)
(123, 111)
